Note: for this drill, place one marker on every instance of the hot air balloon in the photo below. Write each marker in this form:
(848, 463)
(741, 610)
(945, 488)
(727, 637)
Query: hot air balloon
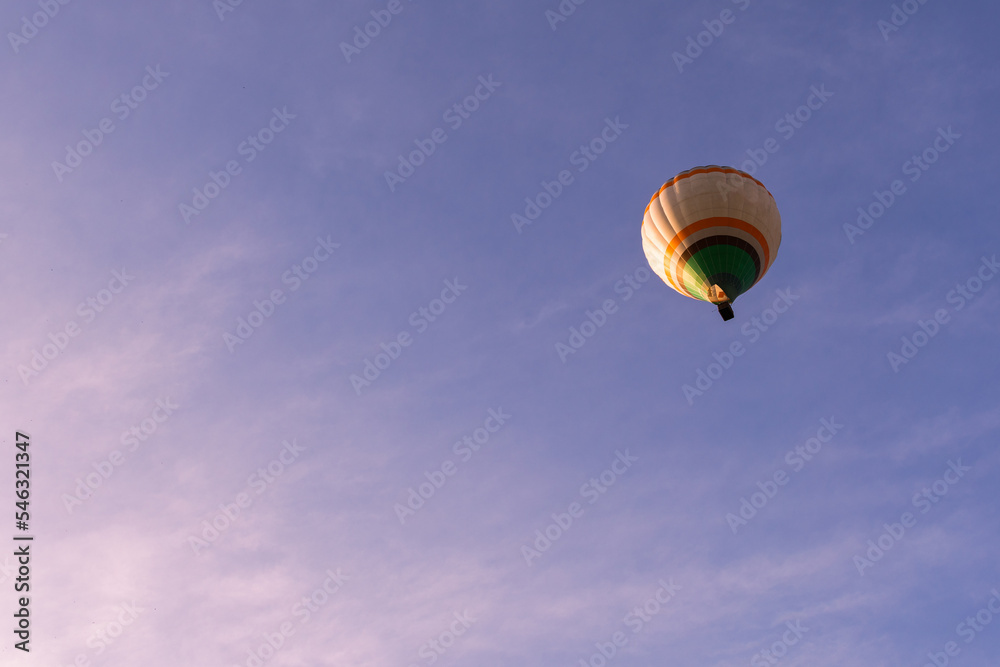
(711, 233)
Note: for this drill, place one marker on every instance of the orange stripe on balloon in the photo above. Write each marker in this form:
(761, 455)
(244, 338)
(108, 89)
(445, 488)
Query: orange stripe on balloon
(718, 222)
(704, 170)
(666, 272)
(666, 258)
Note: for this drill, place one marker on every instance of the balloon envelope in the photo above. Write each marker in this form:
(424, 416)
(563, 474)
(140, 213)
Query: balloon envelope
(711, 233)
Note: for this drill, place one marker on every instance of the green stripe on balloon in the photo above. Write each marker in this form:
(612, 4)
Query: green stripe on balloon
(719, 259)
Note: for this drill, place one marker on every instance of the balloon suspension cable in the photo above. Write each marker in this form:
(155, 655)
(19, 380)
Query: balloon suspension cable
(726, 310)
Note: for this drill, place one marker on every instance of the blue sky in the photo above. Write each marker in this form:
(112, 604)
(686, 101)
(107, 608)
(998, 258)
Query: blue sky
(146, 426)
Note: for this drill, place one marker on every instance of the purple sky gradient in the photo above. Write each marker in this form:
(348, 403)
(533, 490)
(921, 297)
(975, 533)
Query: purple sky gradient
(353, 456)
